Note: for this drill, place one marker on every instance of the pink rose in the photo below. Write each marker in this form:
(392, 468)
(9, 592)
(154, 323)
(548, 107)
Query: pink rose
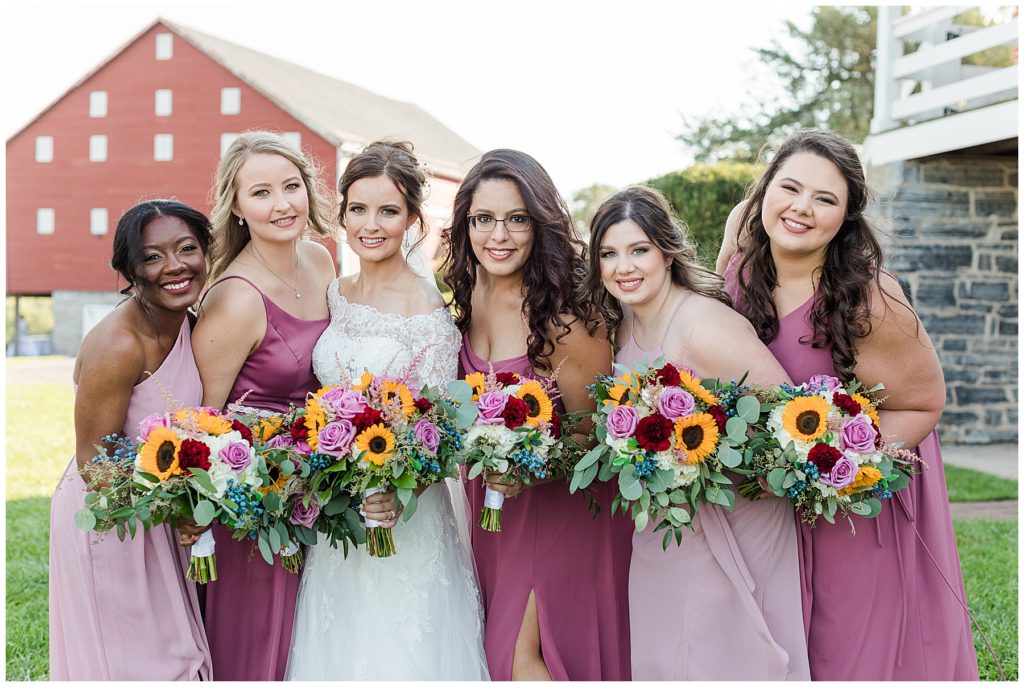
(426, 432)
(336, 438)
(302, 447)
(824, 383)
(621, 422)
(490, 407)
(281, 441)
(675, 403)
(151, 422)
(858, 435)
(237, 455)
(345, 404)
(842, 473)
(305, 515)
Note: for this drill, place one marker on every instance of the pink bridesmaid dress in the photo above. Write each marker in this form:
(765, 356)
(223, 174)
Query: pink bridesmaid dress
(725, 604)
(886, 603)
(124, 610)
(577, 566)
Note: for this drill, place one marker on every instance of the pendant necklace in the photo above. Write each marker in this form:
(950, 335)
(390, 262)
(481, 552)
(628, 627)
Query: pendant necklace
(295, 251)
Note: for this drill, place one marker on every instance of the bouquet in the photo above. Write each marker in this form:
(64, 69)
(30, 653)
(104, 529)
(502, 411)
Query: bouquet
(663, 432)
(818, 444)
(511, 428)
(379, 436)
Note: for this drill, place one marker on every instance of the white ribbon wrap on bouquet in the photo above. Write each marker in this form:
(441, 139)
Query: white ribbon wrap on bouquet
(290, 550)
(204, 546)
(493, 499)
(368, 521)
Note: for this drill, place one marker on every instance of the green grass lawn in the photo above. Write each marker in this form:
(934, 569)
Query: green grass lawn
(40, 442)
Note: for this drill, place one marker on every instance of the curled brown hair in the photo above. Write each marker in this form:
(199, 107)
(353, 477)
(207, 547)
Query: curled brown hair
(652, 212)
(556, 269)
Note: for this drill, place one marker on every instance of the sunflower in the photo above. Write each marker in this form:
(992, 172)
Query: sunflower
(866, 477)
(696, 437)
(159, 455)
(533, 395)
(397, 394)
(692, 384)
(202, 421)
(268, 427)
(277, 479)
(314, 421)
(378, 442)
(623, 384)
(476, 380)
(868, 407)
(806, 418)
(364, 382)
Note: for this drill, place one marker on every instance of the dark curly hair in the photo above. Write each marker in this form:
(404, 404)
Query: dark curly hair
(553, 297)
(853, 259)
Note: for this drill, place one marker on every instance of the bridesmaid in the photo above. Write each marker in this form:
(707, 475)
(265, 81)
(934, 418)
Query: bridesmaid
(124, 610)
(257, 326)
(725, 604)
(554, 579)
(888, 603)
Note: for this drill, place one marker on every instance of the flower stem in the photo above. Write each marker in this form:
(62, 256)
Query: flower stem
(750, 488)
(380, 542)
(293, 563)
(490, 519)
(202, 569)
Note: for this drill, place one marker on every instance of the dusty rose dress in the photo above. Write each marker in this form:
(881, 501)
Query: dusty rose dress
(725, 604)
(886, 603)
(577, 566)
(124, 610)
(251, 607)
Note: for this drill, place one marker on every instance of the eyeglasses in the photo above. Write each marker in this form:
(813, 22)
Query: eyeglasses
(514, 223)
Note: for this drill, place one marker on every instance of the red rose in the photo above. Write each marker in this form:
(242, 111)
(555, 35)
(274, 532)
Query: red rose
(824, 456)
(243, 430)
(515, 412)
(556, 425)
(367, 418)
(298, 430)
(879, 441)
(507, 378)
(846, 404)
(720, 417)
(423, 405)
(194, 454)
(653, 431)
(669, 376)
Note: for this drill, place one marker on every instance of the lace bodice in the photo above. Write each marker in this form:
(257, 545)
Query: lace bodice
(360, 338)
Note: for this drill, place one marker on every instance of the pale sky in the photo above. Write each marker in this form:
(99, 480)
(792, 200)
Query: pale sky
(594, 90)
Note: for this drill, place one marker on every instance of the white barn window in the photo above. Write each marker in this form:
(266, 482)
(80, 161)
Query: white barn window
(164, 102)
(163, 147)
(98, 221)
(230, 101)
(295, 138)
(45, 221)
(98, 104)
(225, 142)
(164, 46)
(44, 148)
(98, 148)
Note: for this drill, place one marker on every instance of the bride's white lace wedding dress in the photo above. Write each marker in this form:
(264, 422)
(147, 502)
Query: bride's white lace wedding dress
(415, 615)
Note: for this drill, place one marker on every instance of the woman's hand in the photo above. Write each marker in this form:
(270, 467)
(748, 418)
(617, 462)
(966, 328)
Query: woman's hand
(382, 507)
(189, 532)
(504, 483)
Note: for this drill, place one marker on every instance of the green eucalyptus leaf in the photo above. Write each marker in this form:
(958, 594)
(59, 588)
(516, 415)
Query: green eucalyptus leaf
(474, 470)
(274, 539)
(202, 479)
(203, 513)
(460, 391)
(592, 456)
(265, 550)
(729, 456)
(776, 477)
(748, 408)
(860, 508)
(629, 487)
(85, 520)
(680, 514)
(736, 429)
(641, 520)
(876, 507)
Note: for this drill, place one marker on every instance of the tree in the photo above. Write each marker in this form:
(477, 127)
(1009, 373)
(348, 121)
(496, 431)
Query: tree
(585, 203)
(826, 80)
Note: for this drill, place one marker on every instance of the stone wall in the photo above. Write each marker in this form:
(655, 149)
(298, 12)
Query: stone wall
(68, 310)
(952, 225)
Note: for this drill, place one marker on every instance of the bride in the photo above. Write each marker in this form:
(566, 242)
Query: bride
(415, 615)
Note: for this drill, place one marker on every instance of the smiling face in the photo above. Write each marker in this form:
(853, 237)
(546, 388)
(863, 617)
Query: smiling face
(173, 268)
(271, 197)
(633, 269)
(501, 252)
(376, 218)
(804, 205)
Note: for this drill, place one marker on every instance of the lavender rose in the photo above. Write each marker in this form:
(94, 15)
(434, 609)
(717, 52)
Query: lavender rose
(281, 441)
(858, 435)
(675, 403)
(621, 422)
(305, 515)
(237, 455)
(151, 422)
(347, 404)
(336, 438)
(490, 407)
(824, 383)
(842, 473)
(427, 432)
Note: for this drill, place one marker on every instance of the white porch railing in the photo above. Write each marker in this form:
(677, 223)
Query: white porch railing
(928, 101)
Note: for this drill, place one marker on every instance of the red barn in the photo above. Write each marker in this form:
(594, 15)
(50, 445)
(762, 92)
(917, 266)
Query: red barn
(152, 121)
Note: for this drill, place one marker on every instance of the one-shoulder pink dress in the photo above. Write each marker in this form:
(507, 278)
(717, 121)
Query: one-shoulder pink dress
(251, 607)
(124, 610)
(888, 602)
(577, 566)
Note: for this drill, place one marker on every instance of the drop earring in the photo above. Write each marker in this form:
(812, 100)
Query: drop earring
(241, 221)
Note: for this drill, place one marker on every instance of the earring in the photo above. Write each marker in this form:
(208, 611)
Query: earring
(241, 221)
(405, 240)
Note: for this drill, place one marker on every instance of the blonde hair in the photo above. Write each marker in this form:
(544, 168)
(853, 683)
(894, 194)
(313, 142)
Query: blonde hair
(230, 236)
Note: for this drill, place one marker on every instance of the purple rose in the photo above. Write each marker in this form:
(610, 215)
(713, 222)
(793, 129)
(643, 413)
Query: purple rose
(336, 438)
(281, 441)
(237, 455)
(842, 473)
(302, 447)
(345, 404)
(621, 422)
(426, 432)
(151, 422)
(824, 383)
(305, 515)
(490, 407)
(858, 435)
(675, 403)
